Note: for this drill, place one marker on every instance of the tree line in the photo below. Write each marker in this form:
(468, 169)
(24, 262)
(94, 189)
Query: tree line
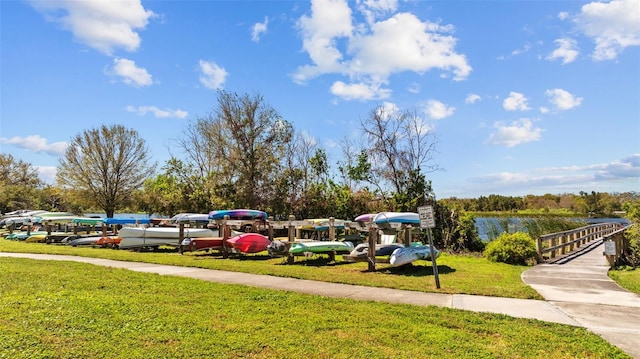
(245, 155)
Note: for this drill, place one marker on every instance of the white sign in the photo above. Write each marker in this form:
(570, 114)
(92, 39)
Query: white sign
(427, 219)
(610, 248)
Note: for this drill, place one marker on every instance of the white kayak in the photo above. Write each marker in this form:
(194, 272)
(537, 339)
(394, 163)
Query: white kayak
(165, 232)
(406, 255)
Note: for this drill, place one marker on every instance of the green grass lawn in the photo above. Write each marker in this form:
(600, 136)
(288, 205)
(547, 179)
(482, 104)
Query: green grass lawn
(627, 278)
(458, 274)
(52, 309)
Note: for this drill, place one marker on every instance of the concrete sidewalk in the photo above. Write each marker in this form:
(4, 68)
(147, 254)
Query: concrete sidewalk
(622, 333)
(580, 288)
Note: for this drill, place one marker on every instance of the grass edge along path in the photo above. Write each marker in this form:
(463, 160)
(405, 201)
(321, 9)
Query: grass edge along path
(458, 274)
(52, 309)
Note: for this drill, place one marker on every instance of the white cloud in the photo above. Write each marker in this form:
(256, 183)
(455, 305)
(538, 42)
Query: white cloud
(359, 91)
(523, 50)
(167, 113)
(330, 20)
(374, 9)
(437, 110)
(36, 143)
(516, 102)
(518, 132)
(129, 73)
(368, 53)
(613, 25)
(563, 100)
(213, 76)
(472, 98)
(567, 179)
(259, 28)
(388, 110)
(404, 43)
(47, 173)
(566, 51)
(102, 25)
(563, 15)
(628, 167)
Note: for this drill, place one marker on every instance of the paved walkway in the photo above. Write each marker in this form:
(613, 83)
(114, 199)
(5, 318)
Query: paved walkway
(576, 294)
(580, 288)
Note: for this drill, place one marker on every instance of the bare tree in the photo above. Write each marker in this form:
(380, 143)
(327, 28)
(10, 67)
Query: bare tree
(108, 164)
(400, 150)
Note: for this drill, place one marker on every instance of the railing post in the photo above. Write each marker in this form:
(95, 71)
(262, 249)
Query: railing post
(539, 249)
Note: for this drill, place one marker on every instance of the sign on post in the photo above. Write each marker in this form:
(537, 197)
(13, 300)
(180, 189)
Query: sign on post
(426, 217)
(428, 221)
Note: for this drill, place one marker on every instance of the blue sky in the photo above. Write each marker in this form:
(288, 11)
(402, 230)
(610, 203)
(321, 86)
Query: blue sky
(525, 97)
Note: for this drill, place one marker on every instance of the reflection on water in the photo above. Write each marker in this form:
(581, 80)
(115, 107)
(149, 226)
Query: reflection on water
(486, 225)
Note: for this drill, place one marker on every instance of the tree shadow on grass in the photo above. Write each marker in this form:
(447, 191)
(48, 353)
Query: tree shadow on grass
(415, 270)
(231, 256)
(316, 260)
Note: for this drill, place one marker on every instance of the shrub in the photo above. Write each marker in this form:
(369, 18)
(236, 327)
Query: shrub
(631, 256)
(511, 248)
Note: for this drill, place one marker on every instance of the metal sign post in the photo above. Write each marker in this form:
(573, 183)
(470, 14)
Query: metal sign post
(427, 221)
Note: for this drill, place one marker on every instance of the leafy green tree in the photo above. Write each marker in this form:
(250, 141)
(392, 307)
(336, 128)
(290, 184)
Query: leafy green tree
(632, 255)
(108, 164)
(19, 184)
(237, 150)
(592, 202)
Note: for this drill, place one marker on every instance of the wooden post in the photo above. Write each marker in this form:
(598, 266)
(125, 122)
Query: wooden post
(407, 235)
(270, 229)
(332, 229)
(292, 237)
(539, 249)
(181, 233)
(226, 233)
(371, 252)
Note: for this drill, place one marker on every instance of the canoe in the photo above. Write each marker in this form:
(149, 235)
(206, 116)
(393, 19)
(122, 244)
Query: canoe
(21, 236)
(362, 249)
(249, 242)
(323, 224)
(55, 217)
(139, 242)
(165, 232)
(366, 218)
(88, 220)
(190, 217)
(109, 241)
(321, 247)
(406, 255)
(397, 217)
(81, 240)
(110, 221)
(238, 214)
(200, 244)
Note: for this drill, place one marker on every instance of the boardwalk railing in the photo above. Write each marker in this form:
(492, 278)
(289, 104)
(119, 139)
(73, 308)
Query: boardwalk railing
(615, 244)
(556, 245)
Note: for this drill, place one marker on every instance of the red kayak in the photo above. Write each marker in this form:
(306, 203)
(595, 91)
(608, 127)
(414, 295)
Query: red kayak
(249, 242)
(202, 243)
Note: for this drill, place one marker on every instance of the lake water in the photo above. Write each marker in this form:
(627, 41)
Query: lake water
(485, 224)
